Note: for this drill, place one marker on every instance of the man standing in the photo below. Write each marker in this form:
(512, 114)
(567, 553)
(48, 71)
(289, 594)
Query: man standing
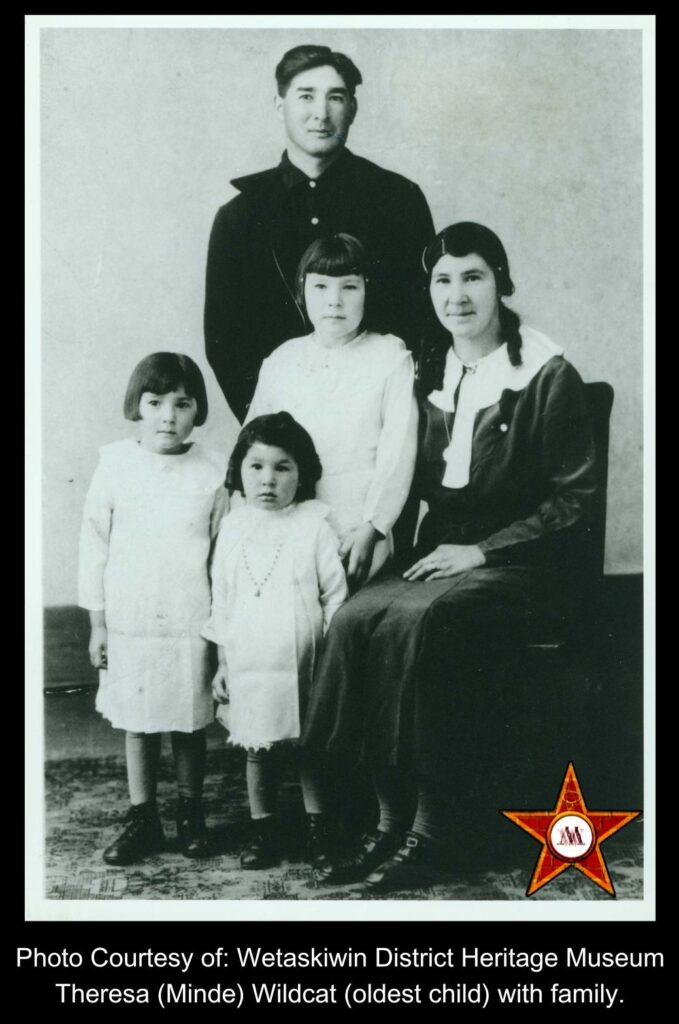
(319, 187)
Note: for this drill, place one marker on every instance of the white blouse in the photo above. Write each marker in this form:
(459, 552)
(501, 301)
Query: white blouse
(357, 402)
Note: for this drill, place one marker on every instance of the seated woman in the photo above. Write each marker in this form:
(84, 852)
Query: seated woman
(506, 466)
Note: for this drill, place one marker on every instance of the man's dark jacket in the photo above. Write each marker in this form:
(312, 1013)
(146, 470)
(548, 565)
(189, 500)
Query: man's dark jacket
(259, 236)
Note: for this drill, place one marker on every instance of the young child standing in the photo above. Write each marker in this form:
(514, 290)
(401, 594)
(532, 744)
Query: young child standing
(151, 512)
(277, 580)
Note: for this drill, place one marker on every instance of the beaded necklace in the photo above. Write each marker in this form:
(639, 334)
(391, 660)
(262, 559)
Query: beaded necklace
(259, 584)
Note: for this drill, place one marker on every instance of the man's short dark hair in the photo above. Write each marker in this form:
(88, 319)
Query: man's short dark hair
(302, 58)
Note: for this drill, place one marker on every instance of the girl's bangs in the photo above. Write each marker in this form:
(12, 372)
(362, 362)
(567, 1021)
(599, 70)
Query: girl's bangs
(336, 264)
(161, 381)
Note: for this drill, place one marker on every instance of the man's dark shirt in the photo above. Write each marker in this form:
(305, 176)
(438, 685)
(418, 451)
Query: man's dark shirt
(259, 237)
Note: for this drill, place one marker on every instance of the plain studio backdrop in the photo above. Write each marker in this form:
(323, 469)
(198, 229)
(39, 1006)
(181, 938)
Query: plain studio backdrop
(536, 133)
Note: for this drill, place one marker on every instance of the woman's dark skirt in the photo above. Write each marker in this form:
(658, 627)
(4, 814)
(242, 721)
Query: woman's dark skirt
(414, 675)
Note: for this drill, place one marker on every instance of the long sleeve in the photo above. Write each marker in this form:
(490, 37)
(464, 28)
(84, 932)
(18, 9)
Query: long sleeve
(408, 229)
(220, 508)
(214, 627)
(227, 338)
(94, 541)
(396, 450)
(332, 583)
(564, 451)
(413, 229)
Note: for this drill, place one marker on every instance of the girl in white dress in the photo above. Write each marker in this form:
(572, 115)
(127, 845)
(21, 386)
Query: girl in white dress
(352, 389)
(277, 580)
(151, 512)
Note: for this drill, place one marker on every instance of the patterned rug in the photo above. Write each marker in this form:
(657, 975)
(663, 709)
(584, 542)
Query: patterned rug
(86, 801)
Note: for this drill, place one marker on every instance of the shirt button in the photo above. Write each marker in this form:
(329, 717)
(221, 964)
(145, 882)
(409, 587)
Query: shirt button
(314, 220)
(312, 184)
(504, 428)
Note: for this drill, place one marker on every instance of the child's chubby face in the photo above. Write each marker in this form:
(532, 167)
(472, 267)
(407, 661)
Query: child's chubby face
(166, 421)
(335, 305)
(270, 477)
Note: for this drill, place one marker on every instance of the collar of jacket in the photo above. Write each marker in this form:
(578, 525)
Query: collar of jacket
(284, 177)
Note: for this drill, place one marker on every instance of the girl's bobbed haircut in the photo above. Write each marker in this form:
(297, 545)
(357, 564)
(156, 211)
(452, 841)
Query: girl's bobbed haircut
(335, 255)
(280, 430)
(162, 372)
(463, 239)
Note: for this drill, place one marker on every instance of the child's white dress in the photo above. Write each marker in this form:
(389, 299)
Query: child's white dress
(277, 580)
(356, 400)
(144, 549)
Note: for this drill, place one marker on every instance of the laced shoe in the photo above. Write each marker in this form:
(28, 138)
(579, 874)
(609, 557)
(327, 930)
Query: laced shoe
(142, 836)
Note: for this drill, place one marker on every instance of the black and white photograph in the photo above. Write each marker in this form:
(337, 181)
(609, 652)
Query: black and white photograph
(340, 353)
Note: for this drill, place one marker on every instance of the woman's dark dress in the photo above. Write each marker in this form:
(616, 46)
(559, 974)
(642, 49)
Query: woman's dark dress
(401, 676)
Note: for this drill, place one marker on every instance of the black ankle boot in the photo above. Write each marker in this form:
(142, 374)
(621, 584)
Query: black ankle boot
(262, 850)
(319, 844)
(142, 835)
(191, 830)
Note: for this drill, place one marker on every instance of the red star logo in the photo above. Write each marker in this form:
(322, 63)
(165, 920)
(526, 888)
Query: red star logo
(571, 835)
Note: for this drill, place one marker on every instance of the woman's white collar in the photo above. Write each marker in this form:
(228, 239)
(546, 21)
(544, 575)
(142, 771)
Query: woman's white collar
(482, 388)
(494, 373)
